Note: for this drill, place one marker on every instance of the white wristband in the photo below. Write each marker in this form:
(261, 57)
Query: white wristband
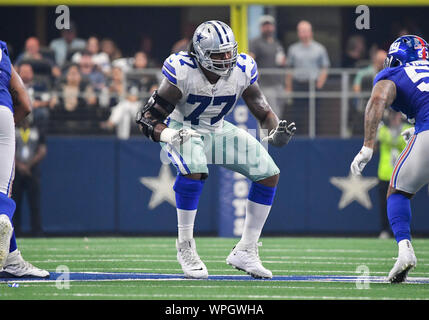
(366, 152)
(167, 135)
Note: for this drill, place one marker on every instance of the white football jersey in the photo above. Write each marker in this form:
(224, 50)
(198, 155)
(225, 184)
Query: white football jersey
(204, 105)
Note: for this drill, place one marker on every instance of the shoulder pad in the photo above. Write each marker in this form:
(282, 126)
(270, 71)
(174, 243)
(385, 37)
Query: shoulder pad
(248, 65)
(177, 66)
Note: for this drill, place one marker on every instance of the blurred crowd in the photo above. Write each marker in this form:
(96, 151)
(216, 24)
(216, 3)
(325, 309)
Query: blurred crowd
(83, 86)
(86, 86)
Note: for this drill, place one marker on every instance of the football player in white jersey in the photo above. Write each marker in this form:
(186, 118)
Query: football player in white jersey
(186, 114)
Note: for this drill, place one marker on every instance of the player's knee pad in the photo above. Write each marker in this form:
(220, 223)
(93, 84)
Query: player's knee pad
(261, 194)
(188, 192)
(7, 205)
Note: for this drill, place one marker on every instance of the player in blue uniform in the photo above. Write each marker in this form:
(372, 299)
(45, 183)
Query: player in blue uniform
(404, 85)
(15, 105)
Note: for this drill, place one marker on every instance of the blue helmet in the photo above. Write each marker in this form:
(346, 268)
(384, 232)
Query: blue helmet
(406, 49)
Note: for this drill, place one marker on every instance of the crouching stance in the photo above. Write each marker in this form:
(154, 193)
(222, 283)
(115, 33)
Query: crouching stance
(186, 115)
(404, 85)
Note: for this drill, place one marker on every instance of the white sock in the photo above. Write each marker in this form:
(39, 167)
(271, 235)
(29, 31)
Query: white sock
(256, 215)
(405, 245)
(185, 224)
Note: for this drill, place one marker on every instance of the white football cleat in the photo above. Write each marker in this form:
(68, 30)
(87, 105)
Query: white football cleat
(16, 266)
(6, 230)
(247, 259)
(191, 263)
(405, 262)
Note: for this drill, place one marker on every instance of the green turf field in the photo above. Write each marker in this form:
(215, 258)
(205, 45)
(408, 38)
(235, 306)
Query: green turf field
(283, 256)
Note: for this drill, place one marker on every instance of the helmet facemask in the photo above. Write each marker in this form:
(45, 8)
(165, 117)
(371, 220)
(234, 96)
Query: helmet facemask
(391, 62)
(221, 67)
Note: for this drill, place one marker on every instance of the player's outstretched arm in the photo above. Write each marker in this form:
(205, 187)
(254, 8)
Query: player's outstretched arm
(258, 105)
(382, 96)
(20, 98)
(279, 131)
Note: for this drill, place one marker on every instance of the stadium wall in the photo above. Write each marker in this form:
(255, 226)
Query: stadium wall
(104, 185)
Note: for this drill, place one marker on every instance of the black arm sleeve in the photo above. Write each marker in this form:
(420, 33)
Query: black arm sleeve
(155, 111)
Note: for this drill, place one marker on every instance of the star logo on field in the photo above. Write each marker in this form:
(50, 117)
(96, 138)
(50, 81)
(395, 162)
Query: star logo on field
(161, 186)
(354, 188)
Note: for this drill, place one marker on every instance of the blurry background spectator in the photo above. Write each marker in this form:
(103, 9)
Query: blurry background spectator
(123, 115)
(363, 83)
(116, 86)
(355, 54)
(268, 53)
(365, 76)
(39, 95)
(67, 44)
(183, 44)
(109, 47)
(100, 59)
(31, 52)
(40, 63)
(310, 62)
(90, 72)
(73, 94)
(30, 150)
(137, 75)
(146, 45)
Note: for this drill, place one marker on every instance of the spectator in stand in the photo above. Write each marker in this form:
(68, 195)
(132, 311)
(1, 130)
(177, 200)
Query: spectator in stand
(91, 72)
(39, 95)
(139, 77)
(146, 45)
(363, 83)
(68, 42)
(310, 62)
(33, 56)
(31, 52)
(183, 44)
(123, 114)
(309, 59)
(116, 87)
(109, 47)
(73, 94)
(355, 55)
(368, 73)
(100, 59)
(268, 53)
(30, 151)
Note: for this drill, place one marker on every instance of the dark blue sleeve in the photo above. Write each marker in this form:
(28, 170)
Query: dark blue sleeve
(387, 74)
(382, 75)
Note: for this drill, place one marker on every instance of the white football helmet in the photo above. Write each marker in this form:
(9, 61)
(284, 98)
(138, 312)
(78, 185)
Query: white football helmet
(215, 37)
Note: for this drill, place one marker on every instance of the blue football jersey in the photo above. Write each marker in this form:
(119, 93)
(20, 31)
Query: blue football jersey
(5, 74)
(412, 91)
